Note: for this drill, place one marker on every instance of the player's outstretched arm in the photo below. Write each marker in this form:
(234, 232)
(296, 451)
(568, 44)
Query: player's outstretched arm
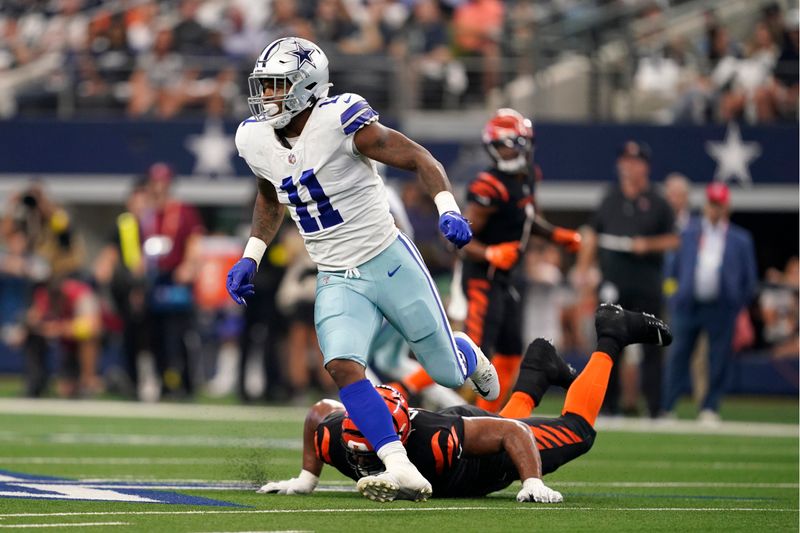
(267, 215)
(485, 436)
(307, 480)
(391, 147)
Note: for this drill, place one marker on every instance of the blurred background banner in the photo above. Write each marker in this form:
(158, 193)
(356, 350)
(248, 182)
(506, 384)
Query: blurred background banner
(566, 152)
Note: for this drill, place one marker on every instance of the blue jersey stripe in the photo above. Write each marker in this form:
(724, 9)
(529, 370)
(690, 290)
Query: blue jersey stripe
(364, 118)
(351, 111)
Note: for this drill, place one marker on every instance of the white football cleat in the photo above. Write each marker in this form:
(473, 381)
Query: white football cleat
(402, 484)
(484, 380)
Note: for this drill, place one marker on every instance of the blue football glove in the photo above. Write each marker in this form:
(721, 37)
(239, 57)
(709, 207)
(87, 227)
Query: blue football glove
(240, 280)
(455, 228)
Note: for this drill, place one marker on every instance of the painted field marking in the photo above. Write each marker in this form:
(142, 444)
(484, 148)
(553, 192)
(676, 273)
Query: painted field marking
(68, 524)
(168, 411)
(411, 509)
(153, 440)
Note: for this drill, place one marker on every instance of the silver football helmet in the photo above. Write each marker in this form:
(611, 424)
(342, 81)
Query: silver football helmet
(296, 72)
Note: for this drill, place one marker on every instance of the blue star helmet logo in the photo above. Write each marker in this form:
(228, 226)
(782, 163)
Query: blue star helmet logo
(303, 55)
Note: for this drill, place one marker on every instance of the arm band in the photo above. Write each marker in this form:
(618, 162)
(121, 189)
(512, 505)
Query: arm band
(446, 202)
(255, 250)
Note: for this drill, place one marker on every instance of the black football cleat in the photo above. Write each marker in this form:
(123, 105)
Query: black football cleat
(541, 367)
(630, 327)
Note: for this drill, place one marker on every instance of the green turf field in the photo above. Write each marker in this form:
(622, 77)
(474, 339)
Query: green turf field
(639, 476)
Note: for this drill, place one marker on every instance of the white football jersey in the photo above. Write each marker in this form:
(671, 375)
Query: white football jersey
(334, 194)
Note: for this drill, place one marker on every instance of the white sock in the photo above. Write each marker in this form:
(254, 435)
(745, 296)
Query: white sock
(393, 453)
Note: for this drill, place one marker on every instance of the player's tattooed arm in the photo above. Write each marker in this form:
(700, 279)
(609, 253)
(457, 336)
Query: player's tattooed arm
(314, 418)
(392, 148)
(267, 212)
(485, 435)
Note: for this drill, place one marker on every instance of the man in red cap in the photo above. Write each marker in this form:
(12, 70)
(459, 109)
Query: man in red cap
(715, 275)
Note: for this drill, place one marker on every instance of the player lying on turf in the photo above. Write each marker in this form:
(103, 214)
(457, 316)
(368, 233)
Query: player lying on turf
(465, 451)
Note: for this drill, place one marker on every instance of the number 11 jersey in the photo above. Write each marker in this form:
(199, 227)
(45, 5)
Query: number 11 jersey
(333, 193)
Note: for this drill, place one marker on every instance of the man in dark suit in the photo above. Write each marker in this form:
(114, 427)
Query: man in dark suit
(715, 272)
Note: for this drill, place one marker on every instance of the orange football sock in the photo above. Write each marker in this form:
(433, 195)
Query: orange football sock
(417, 380)
(507, 370)
(519, 405)
(585, 395)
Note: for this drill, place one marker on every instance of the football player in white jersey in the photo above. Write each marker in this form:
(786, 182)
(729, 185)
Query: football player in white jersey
(314, 154)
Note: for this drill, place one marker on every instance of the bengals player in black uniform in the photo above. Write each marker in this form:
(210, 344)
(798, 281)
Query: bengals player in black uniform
(466, 451)
(501, 210)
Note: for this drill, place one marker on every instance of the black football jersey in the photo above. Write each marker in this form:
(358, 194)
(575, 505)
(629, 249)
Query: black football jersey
(435, 447)
(509, 195)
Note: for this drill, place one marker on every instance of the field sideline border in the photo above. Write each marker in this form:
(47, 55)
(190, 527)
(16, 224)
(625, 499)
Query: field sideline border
(200, 412)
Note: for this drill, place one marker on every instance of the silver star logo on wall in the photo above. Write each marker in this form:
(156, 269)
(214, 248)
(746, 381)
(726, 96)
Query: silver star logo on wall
(733, 156)
(212, 150)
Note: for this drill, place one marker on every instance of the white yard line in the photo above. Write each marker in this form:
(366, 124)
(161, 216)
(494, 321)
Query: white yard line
(169, 411)
(67, 524)
(153, 440)
(113, 461)
(416, 509)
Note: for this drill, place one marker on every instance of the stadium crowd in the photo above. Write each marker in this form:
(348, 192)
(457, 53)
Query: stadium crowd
(160, 59)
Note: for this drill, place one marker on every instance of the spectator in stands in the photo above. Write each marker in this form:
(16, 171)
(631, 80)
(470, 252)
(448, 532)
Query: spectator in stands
(156, 83)
(425, 45)
(164, 82)
(191, 38)
(751, 72)
(478, 26)
(285, 20)
(778, 306)
(333, 23)
(169, 240)
(630, 232)
(103, 70)
(715, 272)
(142, 25)
(240, 39)
(778, 96)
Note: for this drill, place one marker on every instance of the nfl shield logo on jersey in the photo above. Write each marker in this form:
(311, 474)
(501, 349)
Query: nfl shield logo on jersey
(292, 159)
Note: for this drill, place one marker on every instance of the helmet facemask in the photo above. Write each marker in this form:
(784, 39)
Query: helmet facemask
(520, 163)
(296, 72)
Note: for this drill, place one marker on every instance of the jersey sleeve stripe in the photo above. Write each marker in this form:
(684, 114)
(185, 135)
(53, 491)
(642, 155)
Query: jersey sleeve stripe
(326, 446)
(496, 183)
(353, 110)
(481, 188)
(438, 454)
(367, 116)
